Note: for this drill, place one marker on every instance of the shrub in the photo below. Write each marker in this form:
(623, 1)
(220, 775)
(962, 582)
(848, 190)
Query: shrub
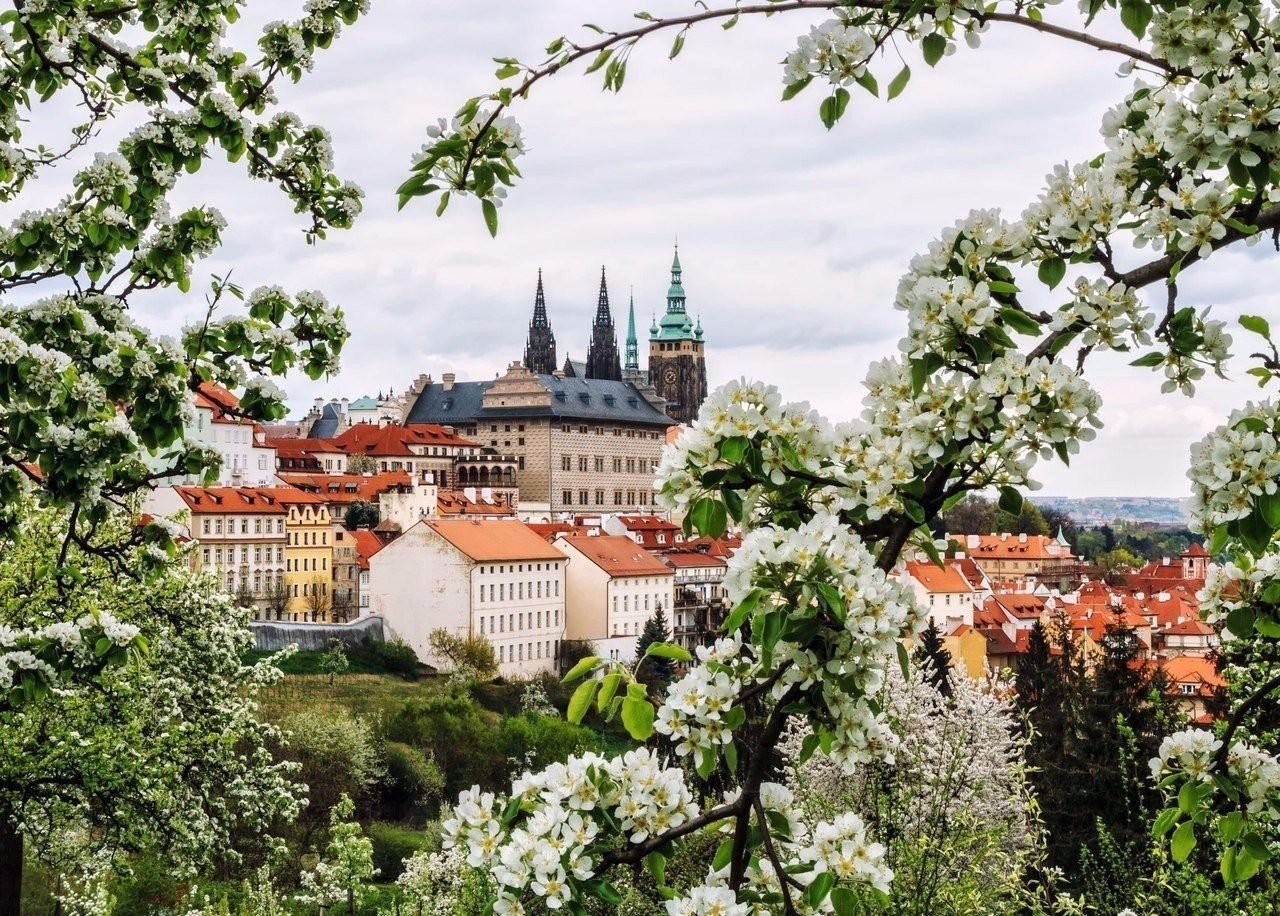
(414, 783)
(392, 844)
(457, 733)
(339, 755)
(394, 657)
(535, 741)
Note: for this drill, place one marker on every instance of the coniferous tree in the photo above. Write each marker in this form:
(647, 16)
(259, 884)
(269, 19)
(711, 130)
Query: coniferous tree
(655, 670)
(932, 654)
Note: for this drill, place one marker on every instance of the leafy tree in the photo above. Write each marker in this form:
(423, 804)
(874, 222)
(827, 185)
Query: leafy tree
(983, 386)
(972, 515)
(161, 747)
(933, 656)
(470, 655)
(361, 514)
(1116, 563)
(340, 880)
(276, 600)
(335, 661)
(362, 464)
(337, 756)
(657, 670)
(1028, 520)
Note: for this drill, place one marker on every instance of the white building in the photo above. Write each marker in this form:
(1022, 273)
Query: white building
(493, 578)
(944, 593)
(614, 587)
(247, 461)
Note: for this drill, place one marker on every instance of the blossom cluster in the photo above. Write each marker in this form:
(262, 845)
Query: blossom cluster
(822, 571)
(1235, 466)
(567, 815)
(696, 710)
(50, 651)
(834, 50)
(1237, 584)
(1191, 753)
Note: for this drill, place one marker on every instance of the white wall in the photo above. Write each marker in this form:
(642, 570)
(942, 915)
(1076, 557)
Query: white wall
(520, 608)
(407, 509)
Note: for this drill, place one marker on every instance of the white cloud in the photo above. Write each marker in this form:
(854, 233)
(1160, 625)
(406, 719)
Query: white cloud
(792, 237)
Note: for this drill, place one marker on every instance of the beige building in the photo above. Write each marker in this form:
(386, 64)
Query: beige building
(240, 534)
(492, 578)
(614, 587)
(580, 445)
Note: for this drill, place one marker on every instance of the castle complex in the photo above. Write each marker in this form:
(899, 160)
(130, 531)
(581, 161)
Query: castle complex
(677, 370)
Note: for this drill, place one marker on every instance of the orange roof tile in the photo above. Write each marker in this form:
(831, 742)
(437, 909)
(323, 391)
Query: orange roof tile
(395, 441)
(619, 556)
(453, 502)
(494, 540)
(1012, 547)
(691, 559)
(647, 523)
(347, 488)
(548, 530)
(946, 578)
(243, 500)
(367, 544)
(1190, 669)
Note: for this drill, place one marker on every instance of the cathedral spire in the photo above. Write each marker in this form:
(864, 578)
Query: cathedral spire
(602, 354)
(675, 292)
(540, 346)
(633, 345)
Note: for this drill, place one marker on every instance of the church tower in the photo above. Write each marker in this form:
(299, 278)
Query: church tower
(540, 347)
(677, 361)
(631, 370)
(602, 353)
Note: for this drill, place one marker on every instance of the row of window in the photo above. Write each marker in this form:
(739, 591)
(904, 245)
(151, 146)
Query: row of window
(618, 431)
(502, 623)
(309, 564)
(260, 526)
(586, 462)
(620, 498)
(215, 556)
(260, 581)
(627, 603)
(519, 651)
(504, 568)
(309, 538)
(538, 588)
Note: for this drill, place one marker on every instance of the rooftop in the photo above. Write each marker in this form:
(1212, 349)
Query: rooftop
(618, 556)
(244, 500)
(494, 540)
(571, 398)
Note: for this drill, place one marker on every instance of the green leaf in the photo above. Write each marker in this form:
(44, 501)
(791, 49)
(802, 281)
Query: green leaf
(1269, 507)
(1149, 360)
(656, 863)
(668, 650)
(734, 449)
(676, 47)
(1184, 840)
(1020, 321)
(795, 88)
(637, 718)
(608, 687)
(746, 607)
(934, 47)
(1267, 626)
(904, 661)
(709, 517)
(1256, 846)
(817, 891)
(842, 898)
(1136, 16)
(601, 59)
(900, 82)
(490, 210)
(1010, 500)
(1240, 621)
(1188, 798)
(1052, 270)
(1164, 821)
(868, 82)
(580, 702)
(724, 853)
(585, 665)
(1256, 324)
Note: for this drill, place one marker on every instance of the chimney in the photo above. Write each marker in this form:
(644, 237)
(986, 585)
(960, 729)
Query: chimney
(448, 379)
(486, 495)
(345, 403)
(972, 541)
(319, 404)
(1022, 538)
(470, 494)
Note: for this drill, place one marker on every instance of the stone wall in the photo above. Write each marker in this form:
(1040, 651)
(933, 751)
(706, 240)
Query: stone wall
(274, 635)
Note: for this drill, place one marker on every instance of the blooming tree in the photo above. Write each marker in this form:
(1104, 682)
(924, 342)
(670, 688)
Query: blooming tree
(86, 392)
(93, 405)
(161, 747)
(985, 385)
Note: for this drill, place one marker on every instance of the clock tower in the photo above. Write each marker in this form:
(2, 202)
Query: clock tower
(677, 362)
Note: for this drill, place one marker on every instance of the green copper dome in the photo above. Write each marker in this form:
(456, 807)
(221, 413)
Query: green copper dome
(675, 323)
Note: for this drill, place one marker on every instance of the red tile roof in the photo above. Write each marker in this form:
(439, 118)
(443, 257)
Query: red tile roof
(942, 579)
(691, 559)
(647, 523)
(347, 488)
(395, 441)
(494, 540)
(1012, 547)
(454, 502)
(1021, 605)
(367, 544)
(619, 556)
(1190, 669)
(220, 401)
(243, 500)
(1195, 550)
(548, 530)
(1190, 628)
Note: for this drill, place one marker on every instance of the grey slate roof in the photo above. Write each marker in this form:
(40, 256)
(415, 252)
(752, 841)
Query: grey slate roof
(571, 398)
(326, 425)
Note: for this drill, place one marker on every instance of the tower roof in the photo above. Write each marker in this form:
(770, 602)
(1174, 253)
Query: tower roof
(603, 313)
(540, 345)
(633, 345)
(675, 323)
(540, 306)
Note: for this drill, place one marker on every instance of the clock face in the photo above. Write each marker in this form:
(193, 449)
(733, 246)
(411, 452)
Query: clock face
(669, 376)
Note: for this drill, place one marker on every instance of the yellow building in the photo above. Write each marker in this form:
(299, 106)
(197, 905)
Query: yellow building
(308, 556)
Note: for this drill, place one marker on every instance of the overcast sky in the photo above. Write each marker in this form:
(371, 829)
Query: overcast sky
(792, 237)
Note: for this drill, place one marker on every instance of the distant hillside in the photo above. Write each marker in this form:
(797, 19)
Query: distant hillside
(1098, 510)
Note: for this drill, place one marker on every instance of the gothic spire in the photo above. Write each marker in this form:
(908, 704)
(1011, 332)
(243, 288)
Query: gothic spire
(633, 345)
(602, 354)
(540, 346)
